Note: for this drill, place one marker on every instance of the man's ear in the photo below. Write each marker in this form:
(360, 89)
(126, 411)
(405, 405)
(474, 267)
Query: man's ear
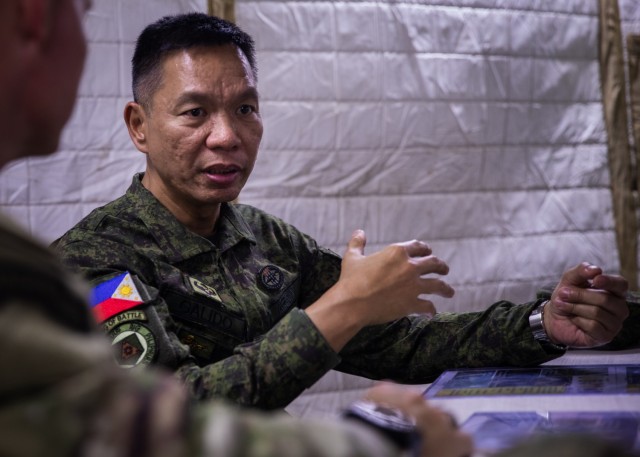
(135, 118)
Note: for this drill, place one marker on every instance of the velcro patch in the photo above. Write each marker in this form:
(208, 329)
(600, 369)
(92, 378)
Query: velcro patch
(133, 344)
(114, 296)
(201, 288)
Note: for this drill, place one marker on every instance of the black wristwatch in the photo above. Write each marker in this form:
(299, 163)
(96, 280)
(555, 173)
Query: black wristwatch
(392, 423)
(536, 322)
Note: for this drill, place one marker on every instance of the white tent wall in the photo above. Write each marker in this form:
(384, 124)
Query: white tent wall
(475, 125)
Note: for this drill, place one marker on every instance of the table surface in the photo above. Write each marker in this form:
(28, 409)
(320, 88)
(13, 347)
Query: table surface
(544, 403)
(463, 407)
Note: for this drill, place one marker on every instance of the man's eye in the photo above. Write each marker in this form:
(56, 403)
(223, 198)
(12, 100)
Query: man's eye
(195, 112)
(246, 109)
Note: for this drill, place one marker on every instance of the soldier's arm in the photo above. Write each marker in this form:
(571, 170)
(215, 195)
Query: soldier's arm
(223, 430)
(268, 372)
(88, 405)
(378, 288)
(416, 349)
(394, 421)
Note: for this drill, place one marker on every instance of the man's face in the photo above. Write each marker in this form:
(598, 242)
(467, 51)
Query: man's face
(40, 76)
(69, 56)
(203, 128)
(53, 93)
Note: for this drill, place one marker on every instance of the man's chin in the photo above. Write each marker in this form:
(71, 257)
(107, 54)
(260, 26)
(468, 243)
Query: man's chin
(226, 197)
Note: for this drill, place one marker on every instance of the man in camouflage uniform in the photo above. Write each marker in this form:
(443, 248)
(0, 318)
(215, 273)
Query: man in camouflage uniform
(60, 392)
(241, 304)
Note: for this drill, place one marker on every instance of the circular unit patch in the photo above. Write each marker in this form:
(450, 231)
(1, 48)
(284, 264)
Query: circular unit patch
(133, 344)
(271, 277)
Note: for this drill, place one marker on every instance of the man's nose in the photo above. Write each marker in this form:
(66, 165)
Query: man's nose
(223, 133)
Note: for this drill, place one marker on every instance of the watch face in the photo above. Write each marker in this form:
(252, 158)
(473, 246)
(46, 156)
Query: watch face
(382, 416)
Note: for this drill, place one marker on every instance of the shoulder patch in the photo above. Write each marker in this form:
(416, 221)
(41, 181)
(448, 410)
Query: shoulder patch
(127, 316)
(114, 296)
(133, 344)
(271, 277)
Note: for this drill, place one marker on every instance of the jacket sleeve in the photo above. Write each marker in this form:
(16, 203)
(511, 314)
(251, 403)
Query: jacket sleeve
(268, 373)
(222, 430)
(66, 397)
(416, 349)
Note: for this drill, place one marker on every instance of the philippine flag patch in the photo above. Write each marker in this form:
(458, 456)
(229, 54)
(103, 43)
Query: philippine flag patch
(114, 296)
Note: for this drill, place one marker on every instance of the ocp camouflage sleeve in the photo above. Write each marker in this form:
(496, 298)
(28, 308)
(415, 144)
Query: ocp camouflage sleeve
(228, 313)
(227, 433)
(63, 395)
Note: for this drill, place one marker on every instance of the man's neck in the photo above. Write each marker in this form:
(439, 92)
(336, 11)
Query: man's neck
(200, 220)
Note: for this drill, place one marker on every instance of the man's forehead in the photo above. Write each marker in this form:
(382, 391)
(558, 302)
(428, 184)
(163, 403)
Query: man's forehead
(196, 53)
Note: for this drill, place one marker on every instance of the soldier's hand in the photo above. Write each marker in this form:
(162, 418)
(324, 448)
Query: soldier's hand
(378, 288)
(440, 435)
(587, 308)
(389, 283)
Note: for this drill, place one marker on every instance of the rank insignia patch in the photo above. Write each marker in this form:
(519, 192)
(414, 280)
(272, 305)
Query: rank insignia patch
(133, 344)
(114, 296)
(201, 288)
(271, 277)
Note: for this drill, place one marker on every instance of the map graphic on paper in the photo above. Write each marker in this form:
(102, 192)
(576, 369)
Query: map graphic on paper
(546, 380)
(493, 432)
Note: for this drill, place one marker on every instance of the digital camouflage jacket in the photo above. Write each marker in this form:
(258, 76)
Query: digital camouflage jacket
(226, 313)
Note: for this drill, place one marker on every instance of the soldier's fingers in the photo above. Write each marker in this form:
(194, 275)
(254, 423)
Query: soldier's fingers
(423, 306)
(590, 318)
(439, 430)
(601, 331)
(416, 248)
(403, 398)
(581, 275)
(616, 285)
(591, 303)
(431, 264)
(436, 287)
(356, 244)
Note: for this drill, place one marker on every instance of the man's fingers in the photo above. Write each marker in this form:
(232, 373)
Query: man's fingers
(616, 285)
(439, 429)
(599, 321)
(415, 248)
(356, 244)
(599, 332)
(431, 264)
(436, 286)
(592, 302)
(395, 396)
(424, 306)
(581, 275)
(611, 311)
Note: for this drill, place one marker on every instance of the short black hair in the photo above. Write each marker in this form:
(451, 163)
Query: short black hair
(179, 32)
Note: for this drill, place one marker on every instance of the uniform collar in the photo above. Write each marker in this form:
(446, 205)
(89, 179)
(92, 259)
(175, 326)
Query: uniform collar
(231, 228)
(176, 241)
